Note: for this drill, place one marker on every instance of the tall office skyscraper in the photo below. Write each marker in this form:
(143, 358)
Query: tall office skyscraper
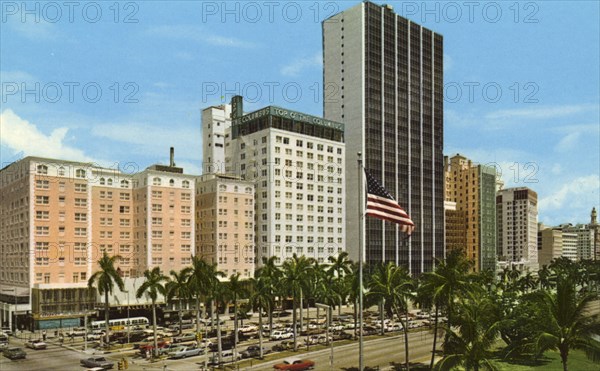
(383, 78)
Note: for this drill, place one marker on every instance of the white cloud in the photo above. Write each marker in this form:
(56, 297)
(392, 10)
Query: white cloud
(556, 169)
(296, 67)
(16, 76)
(568, 142)
(20, 135)
(33, 29)
(545, 112)
(198, 34)
(580, 192)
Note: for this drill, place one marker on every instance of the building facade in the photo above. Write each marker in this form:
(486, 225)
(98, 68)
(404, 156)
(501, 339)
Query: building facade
(216, 121)
(59, 217)
(383, 78)
(472, 188)
(517, 228)
(550, 244)
(225, 223)
(296, 162)
(456, 227)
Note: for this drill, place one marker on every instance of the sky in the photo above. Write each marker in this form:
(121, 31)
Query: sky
(120, 82)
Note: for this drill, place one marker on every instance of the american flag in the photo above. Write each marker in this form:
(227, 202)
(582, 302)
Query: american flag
(381, 204)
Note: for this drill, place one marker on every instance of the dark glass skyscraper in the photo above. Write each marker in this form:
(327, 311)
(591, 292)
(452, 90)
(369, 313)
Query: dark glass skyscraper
(383, 78)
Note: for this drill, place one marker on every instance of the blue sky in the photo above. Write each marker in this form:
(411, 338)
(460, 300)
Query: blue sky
(120, 84)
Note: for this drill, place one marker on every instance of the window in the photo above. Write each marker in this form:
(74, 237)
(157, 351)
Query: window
(80, 173)
(157, 194)
(42, 215)
(80, 187)
(81, 202)
(185, 184)
(124, 209)
(42, 200)
(80, 231)
(171, 182)
(42, 169)
(124, 184)
(124, 196)
(186, 196)
(81, 217)
(156, 181)
(42, 184)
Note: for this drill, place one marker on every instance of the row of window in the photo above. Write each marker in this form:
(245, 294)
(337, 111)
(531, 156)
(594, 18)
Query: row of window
(157, 182)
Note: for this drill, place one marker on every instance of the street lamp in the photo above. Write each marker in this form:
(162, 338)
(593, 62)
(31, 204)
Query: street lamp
(329, 313)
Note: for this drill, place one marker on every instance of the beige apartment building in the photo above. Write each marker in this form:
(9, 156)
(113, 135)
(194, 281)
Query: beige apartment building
(473, 188)
(225, 223)
(58, 217)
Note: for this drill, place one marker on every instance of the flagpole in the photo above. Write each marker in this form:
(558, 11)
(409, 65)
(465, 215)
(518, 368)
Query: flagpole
(360, 263)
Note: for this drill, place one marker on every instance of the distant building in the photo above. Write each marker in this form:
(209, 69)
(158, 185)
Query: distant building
(456, 230)
(216, 122)
(550, 244)
(472, 188)
(225, 223)
(517, 228)
(296, 162)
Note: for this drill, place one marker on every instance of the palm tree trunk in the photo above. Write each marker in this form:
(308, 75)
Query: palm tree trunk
(154, 327)
(355, 317)
(219, 340)
(235, 324)
(260, 331)
(106, 316)
(197, 314)
(212, 315)
(564, 354)
(294, 319)
(301, 308)
(340, 308)
(435, 330)
(180, 304)
(381, 316)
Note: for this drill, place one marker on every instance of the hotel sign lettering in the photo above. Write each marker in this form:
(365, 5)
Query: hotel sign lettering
(289, 114)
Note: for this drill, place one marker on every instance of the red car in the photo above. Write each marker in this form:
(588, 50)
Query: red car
(295, 364)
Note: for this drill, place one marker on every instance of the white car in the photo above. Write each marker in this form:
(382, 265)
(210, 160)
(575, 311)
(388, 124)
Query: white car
(77, 331)
(36, 344)
(281, 335)
(248, 328)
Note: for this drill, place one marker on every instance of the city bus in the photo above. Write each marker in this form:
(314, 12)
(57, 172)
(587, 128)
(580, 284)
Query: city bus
(119, 324)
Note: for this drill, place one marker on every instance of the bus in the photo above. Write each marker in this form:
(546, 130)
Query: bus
(119, 324)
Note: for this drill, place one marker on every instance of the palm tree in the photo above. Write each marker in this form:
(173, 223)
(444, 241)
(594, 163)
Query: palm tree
(394, 286)
(295, 273)
(340, 266)
(570, 327)
(178, 287)
(443, 286)
(197, 280)
(272, 274)
(236, 288)
(105, 279)
(478, 322)
(152, 286)
(261, 298)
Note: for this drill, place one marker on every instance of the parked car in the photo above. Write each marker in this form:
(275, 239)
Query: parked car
(149, 347)
(77, 331)
(7, 331)
(254, 351)
(14, 353)
(36, 344)
(227, 356)
(184, 337)
(389, 327)
(284, 345)
(95, 335)
(248, 328)
(280, 335)
(368, 330)
(184, 352)
(97, 362)
(169, 348)
(295, 364)
(341, 335)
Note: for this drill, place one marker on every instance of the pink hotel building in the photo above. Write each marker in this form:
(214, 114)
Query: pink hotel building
(57, 217)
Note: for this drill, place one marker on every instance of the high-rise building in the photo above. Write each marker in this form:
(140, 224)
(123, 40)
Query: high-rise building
(225, 223)
(517, 228)
(473, 188)
(216, 121)
(383, 78)
(59, 217)
(594, 226)
(456, 227)
(550, 244)
(296, 162)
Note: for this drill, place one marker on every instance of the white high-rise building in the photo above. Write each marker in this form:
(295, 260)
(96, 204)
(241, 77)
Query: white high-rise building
(569, 248)
(216, 120)
(585, 239)
(296, 162)
(517, 218)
